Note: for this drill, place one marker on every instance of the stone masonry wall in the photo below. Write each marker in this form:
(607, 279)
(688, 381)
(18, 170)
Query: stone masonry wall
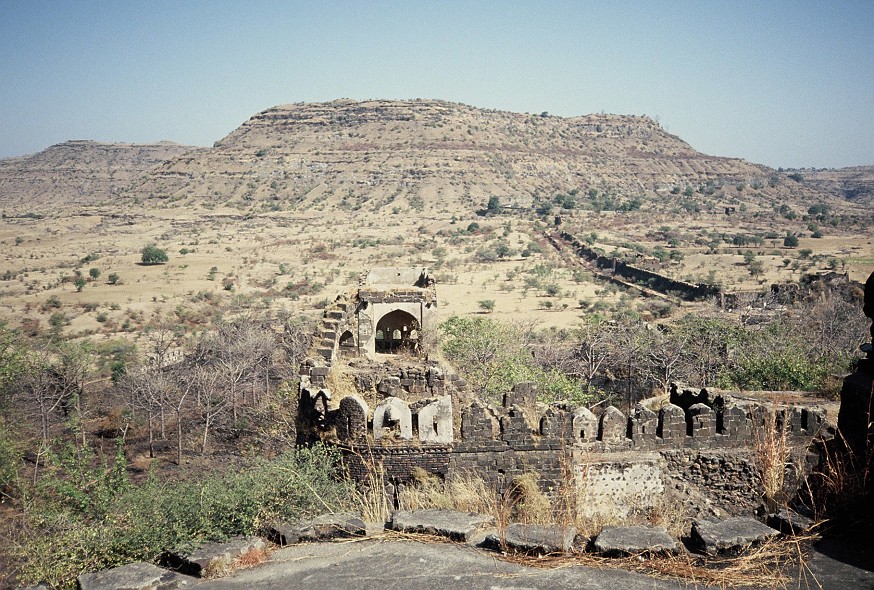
(653, 280)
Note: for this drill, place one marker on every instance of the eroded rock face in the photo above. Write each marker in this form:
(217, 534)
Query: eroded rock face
(80, 172)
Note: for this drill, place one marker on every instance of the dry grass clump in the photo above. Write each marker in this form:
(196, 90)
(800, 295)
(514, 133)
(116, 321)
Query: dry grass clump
(220, 569)
(529, 504)
(466, 492)
(777, 563)
(340, 382)
(372, 498)
(772, 454)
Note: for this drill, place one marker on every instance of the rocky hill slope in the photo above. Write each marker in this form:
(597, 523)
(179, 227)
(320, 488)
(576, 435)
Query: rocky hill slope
(78, 172)
(435, 154)
(854, 184)
(425, 154)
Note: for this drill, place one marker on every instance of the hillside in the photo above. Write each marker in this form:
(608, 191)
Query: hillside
(78, 172)
(433, 154)
(855, 184)
(290, 208)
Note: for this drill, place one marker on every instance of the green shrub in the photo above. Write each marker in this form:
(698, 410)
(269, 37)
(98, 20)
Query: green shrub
(91, 518)
(151, 254)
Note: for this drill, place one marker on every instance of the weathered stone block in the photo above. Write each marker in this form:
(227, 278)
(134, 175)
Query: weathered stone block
(672, 423)
(735, 423)
(644, 424)
(585, 425)
(614, 426)
(523, 395)
(390, 413)
(133, 576)
(215, 558)
(701, 424)
(732, 535)
(282, 534)
(557, 423)
(332, 526)
(351, 419)
(515, 427)
(633, 540)
(789, 522)
(435, 421)
(478, 423)
(458, 526)
(537, 539)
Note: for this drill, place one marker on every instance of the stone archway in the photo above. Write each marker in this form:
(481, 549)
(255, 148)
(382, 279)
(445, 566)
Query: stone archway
(397, 330)
(347, 345)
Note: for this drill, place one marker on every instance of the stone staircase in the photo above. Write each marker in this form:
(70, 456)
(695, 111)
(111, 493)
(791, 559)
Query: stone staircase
(327, 333)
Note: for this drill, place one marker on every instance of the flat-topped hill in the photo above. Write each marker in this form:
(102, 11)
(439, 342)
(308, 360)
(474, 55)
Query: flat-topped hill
(433, 154)
(78, 172)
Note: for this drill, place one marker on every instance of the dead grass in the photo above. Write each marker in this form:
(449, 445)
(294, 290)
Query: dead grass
(778, 563)
(372, 498)
(772, 453)
(529, 504)
(249, 559)
(465, 492)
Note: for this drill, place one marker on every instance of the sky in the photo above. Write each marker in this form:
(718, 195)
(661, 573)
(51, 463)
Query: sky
(782, 83)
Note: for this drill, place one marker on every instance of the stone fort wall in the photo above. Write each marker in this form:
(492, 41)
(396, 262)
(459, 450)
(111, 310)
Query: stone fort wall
(697, 445)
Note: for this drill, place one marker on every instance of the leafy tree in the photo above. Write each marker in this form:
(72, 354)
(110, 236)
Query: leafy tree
(494, 205)
(94, 273)
(80, 284)
(151, 254)
(113, 278)
(790, 241)
(494, 356)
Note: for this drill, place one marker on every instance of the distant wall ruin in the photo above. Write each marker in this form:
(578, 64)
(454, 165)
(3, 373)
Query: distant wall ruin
(647, 278)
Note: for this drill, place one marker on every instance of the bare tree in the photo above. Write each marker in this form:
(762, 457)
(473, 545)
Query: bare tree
(595, 349)
(238, 349)
(146, 389)
(176, 400)
(211, 399)
(39, 387)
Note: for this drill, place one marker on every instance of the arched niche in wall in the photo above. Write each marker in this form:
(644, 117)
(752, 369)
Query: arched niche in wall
(347, 343)
(397, 330)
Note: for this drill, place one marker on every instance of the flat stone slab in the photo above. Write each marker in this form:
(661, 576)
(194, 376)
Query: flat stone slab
(213, 559)
(634, 540)
(731, 535)
(332, 526)
(534, 538)
(458, 526)
(133, 576)
(789, 522)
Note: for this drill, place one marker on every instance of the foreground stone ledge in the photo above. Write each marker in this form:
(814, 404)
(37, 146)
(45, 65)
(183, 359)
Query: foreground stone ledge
(214, 558)
(537, 539)
(133, 576)
(635, 540)
(730, 536)
(458, 526)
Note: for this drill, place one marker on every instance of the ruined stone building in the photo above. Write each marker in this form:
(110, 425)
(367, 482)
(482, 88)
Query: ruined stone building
(404, 411)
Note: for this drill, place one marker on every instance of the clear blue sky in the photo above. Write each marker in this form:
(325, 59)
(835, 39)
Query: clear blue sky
(781, 83)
